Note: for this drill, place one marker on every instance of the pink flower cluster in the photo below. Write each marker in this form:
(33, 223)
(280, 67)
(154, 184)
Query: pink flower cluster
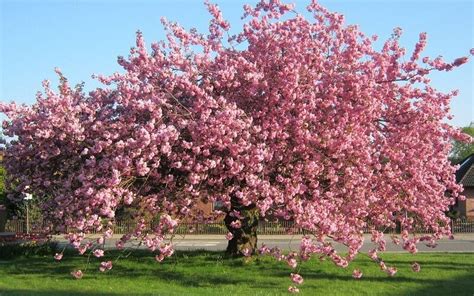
(247, 252)
(296, 278)
(293, 289)
(98, 253)
(106, 265)
(229, 236)
(357, 274)
(77, 274)
(416, 267)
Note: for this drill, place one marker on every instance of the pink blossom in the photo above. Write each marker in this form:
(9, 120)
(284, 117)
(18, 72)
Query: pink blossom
(339, 261)
(292, 262)
(416, 267)
(263, 250)
(236, 214)
(77, 274)
(128, 199)
(108, 233)
(373, 254)
(276, 253)
(159, 257)
(82, 249)
(410, 246)
(229, 236)
(397, 31)
(460, 61)
(58, 256)
(169, 222)
(293, 289)
(166, 249)
(246, 252)
(395, 240)
(391, 271)
(106, 265)
(119, 244)
(357, 274)
(296, 278)
(236, 224)
(98, 253)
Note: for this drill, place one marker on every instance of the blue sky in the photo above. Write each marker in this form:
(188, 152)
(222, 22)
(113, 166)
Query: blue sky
(85, 37)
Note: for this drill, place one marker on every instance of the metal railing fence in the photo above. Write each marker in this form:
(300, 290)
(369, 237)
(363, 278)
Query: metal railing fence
(264, 227)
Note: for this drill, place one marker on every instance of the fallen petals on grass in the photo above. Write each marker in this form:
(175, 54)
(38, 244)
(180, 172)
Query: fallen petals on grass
(293, 289)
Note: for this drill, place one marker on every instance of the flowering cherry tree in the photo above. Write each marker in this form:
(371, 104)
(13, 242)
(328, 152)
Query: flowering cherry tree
(291, 118)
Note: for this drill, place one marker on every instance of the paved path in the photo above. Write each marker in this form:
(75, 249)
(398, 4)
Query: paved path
(461, 243)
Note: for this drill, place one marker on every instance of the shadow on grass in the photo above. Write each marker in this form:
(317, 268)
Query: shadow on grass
(23, 292)
(210, 269)
(184, 268)
(458, 286)
(433, 264)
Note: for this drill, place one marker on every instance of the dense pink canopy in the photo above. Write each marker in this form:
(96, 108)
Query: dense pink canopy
(302, 118)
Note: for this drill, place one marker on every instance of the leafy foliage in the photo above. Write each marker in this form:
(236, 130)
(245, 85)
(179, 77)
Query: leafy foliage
(462, 149)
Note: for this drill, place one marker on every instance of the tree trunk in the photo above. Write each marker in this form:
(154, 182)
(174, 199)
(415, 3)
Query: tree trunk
(244, 237)
(3, 218)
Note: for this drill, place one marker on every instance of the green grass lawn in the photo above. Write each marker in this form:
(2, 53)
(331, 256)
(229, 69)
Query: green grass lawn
(207, 273)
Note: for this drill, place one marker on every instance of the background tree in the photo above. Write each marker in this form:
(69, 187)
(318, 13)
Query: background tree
(462, 149)
(291, 118)
(2, 174)
(3, 194)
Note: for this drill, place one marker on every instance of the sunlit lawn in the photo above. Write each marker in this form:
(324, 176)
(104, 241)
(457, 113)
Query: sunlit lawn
(207, 273)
